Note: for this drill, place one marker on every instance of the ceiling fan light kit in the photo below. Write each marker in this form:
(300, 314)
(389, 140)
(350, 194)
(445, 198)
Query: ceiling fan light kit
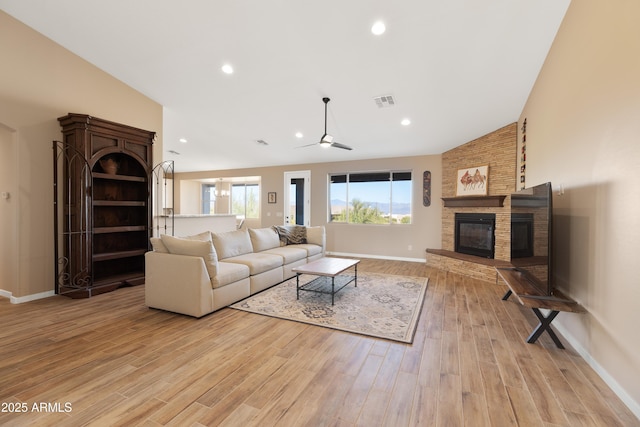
(327, 140)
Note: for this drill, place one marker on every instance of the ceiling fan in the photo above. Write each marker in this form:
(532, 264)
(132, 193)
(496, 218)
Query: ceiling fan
(327, 140)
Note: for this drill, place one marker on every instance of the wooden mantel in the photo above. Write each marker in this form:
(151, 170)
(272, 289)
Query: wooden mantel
(474, 201)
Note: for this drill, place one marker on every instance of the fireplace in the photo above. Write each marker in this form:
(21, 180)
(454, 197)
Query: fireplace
(474, 234)
(521, 235)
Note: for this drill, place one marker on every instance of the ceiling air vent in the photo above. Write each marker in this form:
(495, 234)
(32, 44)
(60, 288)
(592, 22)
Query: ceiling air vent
(174, 152)
(385, 101)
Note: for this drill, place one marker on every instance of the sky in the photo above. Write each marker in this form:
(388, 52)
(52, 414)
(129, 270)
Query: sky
(370, 192)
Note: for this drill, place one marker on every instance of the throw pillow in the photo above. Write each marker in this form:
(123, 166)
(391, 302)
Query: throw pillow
(291, 234)
(205, 236)
(158, 246)
(204, 249)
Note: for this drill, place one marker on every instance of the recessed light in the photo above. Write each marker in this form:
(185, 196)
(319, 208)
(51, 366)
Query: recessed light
(183, 140)
(227, 69)
(299, 135)
(378, 28)
(405, 122)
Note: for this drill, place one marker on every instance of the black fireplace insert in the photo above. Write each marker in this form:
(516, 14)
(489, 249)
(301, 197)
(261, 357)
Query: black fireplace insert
(475, 234)
(521, 235)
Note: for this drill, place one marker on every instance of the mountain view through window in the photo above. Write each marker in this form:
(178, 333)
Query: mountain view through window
(370, 198)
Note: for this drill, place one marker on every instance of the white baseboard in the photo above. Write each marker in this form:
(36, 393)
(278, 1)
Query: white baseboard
(602, 373)
(391, 258)
(26, 298)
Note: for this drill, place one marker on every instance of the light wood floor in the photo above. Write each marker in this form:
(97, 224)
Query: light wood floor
(117, 362)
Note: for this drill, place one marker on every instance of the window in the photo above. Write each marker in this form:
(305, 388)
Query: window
(370, 198)
(245, 200)
(208, 198)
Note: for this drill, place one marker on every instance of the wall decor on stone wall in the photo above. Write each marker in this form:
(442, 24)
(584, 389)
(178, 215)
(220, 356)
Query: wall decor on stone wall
(473, 181)
(426, 188)
(523, 156)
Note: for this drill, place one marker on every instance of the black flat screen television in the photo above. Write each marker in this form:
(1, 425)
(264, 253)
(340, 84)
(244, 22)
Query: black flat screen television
(531, 235)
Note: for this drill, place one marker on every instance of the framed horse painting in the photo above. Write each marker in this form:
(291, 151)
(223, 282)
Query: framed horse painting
(473, 181)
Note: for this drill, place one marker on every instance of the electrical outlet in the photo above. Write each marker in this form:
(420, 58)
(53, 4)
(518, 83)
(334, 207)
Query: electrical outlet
(410, 247)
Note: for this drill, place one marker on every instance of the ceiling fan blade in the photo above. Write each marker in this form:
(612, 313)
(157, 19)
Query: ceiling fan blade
(308, 145)
(338, 145)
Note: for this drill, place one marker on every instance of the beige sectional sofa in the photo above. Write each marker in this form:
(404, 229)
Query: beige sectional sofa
(199, 274)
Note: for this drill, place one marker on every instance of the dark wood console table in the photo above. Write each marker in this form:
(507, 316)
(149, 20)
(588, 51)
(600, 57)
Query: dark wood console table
(529, 293)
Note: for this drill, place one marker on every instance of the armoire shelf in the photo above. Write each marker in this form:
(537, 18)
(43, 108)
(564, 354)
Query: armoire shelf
(118, 177)
(118, 203)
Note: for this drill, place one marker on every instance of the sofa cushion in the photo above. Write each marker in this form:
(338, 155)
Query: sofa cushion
(232, 243)
(158, 246)
(291, 234)
(311, 249)
(229, 272)
(258, 262)
(263, 239)
(288, 253)
(316, 235)
(204, 249)
(204, 236)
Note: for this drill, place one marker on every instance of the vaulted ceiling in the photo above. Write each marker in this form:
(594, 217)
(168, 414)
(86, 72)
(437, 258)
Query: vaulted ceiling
(457, 69)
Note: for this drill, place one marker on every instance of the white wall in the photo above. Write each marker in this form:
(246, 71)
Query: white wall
(39, 82)
(190, 195)
(583, 132)
(359, 239)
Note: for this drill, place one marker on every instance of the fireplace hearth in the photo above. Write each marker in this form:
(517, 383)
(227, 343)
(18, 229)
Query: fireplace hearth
(475, 234)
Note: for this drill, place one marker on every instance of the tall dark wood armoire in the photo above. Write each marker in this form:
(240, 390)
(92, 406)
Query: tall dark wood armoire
(102, 205)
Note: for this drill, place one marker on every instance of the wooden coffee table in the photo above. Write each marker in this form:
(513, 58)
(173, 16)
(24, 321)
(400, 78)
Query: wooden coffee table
(330, 278)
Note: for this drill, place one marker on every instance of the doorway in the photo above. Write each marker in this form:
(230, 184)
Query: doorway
(9, 223)
(297, 198)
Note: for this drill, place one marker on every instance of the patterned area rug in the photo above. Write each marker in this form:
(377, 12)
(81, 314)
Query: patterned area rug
(382, 306)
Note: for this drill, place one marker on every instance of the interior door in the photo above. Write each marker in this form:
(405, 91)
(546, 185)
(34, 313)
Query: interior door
(8, 210)
(297, 198)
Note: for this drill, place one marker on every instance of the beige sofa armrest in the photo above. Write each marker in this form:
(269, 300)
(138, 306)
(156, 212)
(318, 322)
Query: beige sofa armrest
(177, 283)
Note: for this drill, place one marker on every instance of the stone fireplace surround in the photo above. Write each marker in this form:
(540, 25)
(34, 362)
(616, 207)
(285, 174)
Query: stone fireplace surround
(498, 150)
